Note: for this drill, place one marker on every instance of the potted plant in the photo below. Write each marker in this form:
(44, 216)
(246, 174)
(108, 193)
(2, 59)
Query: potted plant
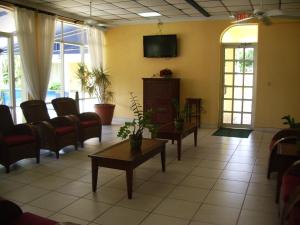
(134, 129)
(97, 83)
(288, 120)
(181, 115)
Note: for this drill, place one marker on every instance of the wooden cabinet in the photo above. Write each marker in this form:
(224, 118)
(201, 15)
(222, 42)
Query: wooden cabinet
(158, 94)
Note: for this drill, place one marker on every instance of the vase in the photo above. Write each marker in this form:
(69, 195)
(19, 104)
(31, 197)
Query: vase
(178, 124)
(135, 142)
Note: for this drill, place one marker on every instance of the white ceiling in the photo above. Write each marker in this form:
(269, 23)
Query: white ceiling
(126, 11)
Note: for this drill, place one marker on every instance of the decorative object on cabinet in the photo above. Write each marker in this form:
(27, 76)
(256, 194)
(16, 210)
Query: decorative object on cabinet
(165, 73)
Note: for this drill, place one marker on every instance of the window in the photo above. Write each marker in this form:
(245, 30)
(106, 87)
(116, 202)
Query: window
(70, 48)
(12, 85)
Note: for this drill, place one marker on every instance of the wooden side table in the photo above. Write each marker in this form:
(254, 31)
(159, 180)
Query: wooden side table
(287, 155)
(194, 109)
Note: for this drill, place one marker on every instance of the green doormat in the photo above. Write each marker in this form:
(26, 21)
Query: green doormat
(230, 132)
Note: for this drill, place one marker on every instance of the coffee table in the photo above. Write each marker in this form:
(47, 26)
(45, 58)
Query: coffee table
(120, 156)
(168, 131)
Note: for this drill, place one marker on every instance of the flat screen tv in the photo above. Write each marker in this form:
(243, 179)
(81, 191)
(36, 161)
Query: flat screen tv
(160, 46)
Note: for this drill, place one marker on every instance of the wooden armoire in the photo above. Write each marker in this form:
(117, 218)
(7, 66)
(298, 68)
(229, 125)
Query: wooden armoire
(158, 94)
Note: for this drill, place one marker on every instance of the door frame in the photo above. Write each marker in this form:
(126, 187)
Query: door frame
(235, 45)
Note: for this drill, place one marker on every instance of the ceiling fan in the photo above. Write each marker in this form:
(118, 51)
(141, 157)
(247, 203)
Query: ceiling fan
(95, 23)
(264, 15)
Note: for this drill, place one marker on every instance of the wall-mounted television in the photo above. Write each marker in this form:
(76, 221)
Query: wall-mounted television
(160, 46)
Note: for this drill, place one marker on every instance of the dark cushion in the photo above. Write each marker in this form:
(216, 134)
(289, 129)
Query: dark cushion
(31, 219)
(18, 139)
(89, 123)
(294, 218)
(64, 130)
(289, 184)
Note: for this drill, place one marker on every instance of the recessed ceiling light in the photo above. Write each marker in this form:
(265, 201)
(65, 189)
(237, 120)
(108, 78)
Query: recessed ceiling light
(149, 14)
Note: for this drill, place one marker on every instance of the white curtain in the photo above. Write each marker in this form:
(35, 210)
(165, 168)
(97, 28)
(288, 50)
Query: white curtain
(94, 38)
(35, 34)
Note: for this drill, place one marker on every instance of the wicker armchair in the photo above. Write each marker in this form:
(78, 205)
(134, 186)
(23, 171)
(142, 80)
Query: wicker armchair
(16, 141)
(290, 135)
(290, 196)
(89, 123)
(55, 133)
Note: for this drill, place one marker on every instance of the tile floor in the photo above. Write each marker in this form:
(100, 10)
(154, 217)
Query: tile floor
(222, 181)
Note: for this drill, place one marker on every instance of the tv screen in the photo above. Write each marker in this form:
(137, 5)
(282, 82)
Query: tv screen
(159, 46)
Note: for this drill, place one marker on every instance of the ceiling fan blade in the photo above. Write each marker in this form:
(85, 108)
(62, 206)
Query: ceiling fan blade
(281, 14)
(243, 20)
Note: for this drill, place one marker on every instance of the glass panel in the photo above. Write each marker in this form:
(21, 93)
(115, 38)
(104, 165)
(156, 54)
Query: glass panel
(227, 105)
(237, 106)
(72, 33)
(248, 66)
(226, 117)
(238, 80)
(239, 54)
(239, 67)
(55, 87)
(72, 57)
(20, 86)
(248, 93)
(249, 53)
(247, 106)
(238, 92)
(228, 92)
(5, 97)
(58, 31)
(228, 53)
(7, 22)
(246, 119)
(248, 80)
(228, 67)
(228, 79)
(237, 118)
(241, 34)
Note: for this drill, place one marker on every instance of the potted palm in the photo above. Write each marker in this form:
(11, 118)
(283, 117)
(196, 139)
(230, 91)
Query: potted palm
(181, 115)
(97, 83)
(134, 129)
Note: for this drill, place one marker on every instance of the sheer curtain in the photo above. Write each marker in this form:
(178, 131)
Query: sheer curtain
(94, 38)
(35, 34)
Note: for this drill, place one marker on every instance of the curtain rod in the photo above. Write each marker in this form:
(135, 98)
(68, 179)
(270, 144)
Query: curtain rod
(11, 6)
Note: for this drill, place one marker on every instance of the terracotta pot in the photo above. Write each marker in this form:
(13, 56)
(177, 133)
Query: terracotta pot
(106, 112)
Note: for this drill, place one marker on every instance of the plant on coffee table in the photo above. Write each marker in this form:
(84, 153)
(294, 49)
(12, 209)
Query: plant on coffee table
(134, 129)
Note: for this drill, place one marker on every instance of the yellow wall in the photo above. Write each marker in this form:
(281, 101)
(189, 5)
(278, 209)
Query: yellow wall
(198, 66)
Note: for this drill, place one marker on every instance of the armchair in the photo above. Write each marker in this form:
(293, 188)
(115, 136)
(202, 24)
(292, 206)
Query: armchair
(289, 135)
(55, 133)
(88, 123)
(16, 141)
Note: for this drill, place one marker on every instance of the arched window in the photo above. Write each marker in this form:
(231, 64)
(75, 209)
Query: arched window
(240, 34)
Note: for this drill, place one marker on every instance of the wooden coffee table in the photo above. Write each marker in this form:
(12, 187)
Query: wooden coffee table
(120, 156)
(168, 131)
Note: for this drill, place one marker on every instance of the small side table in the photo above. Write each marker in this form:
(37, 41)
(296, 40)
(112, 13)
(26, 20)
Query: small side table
(287, 155)
(194, 109)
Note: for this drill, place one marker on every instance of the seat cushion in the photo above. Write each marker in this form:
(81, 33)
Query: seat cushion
(294, 218)
(289, 184)
(31, 219)
(64, 130)
(18, 139)
(89, 123)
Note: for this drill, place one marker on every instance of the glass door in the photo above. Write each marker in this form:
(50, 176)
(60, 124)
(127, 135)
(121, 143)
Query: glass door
(238, 85)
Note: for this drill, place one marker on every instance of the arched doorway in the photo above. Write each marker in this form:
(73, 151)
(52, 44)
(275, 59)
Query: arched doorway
(238, 76)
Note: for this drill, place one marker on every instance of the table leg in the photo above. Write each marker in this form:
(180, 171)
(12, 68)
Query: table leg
(163, 159)
(129, 175)
(195, 136)
(94, 174)
(179, 148)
